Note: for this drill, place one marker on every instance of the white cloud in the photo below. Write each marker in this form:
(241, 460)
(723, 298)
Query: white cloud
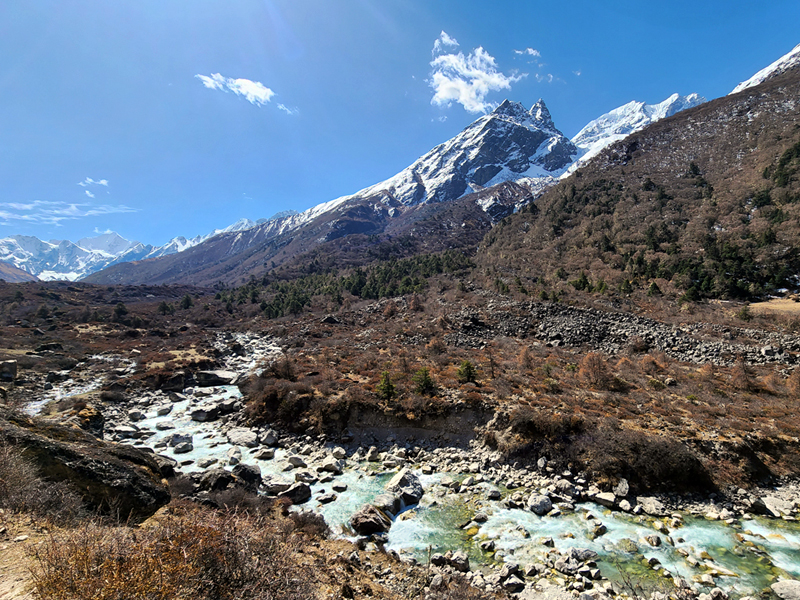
(529, 52)
(577, 73)
(466, 79)
(254, 92)
(442, 41)
(89, 181)
(90, 194)
(287, 110)
(53, 213)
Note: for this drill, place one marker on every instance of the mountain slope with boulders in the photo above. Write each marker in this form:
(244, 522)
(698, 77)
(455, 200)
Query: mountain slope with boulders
(705, 203)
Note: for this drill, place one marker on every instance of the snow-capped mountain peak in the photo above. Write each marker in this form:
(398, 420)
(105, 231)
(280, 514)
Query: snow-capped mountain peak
(624, 120)
(783, 64)
(111, 243)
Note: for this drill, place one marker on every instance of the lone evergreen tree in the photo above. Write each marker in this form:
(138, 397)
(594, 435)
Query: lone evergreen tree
(385, 388)
(466, 373)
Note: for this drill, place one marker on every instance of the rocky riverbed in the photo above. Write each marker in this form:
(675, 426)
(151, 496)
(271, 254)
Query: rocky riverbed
(462, 509)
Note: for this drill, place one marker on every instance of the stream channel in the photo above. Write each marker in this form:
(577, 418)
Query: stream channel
(742, 556)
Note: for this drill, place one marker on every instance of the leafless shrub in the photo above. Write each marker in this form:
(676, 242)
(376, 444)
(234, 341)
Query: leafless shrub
(594, 371)
(198, 554)
(23, 490)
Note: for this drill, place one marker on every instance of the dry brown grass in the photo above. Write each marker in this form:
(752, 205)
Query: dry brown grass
(194, 553)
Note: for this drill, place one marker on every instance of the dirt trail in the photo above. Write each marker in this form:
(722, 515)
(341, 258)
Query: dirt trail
(16, 536)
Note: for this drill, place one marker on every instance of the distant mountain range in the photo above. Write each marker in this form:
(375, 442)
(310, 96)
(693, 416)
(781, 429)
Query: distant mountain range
(512, 144)
(63, 259)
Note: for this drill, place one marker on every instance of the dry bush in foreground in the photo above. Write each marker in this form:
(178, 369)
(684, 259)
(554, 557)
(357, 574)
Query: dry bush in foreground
(199, 554)
(23, 491)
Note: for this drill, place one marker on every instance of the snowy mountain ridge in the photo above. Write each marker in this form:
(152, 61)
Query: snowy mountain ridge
(66, 260)
(783, 64)
(624, 120)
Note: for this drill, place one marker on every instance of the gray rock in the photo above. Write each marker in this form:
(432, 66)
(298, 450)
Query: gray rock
(136, 415)
(249, 476)
(273, 485)
(606, 499)
(215, 480)
(204, 463)
(513, 584)
(298, 493)
(242, 436)
(622, 489)
(264, 454)
(183, 448)
(539, 504)
(162, 411)
(205, 413)
(652, 506)
(296, 461)
(372, 454)
(787, 590)
(326, 498)
(269, 438)
(214, 378)
(407, 486)
(388, 503)
(330, 464)
(339, 453)
(459, 561)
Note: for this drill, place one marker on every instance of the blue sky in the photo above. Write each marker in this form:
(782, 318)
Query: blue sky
(163, 118)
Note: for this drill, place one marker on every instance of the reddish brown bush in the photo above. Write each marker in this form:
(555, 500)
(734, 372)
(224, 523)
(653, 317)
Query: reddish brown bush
(594, 371)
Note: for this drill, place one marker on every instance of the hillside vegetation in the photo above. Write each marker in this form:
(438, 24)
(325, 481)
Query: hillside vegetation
(704, 204)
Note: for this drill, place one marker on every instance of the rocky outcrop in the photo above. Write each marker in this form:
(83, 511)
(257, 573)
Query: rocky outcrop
(111, 478)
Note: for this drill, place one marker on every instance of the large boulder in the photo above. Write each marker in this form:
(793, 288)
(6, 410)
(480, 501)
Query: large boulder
(787, 590)
(540, 504)
(248, 476)
(406, 486)
(298, 493)
(110, 477)
(242, 436)
(214, 378)
(215, 480)
(8, 370)
(206, 412)
(368, 520)
(274, 485)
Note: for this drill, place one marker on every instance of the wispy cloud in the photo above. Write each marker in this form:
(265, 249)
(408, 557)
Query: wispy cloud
(466, 80)
(529, 52)
(88, 193)
(533, 57)
(89, 181)
(254, 92)
(443, 41)
(53, 213)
